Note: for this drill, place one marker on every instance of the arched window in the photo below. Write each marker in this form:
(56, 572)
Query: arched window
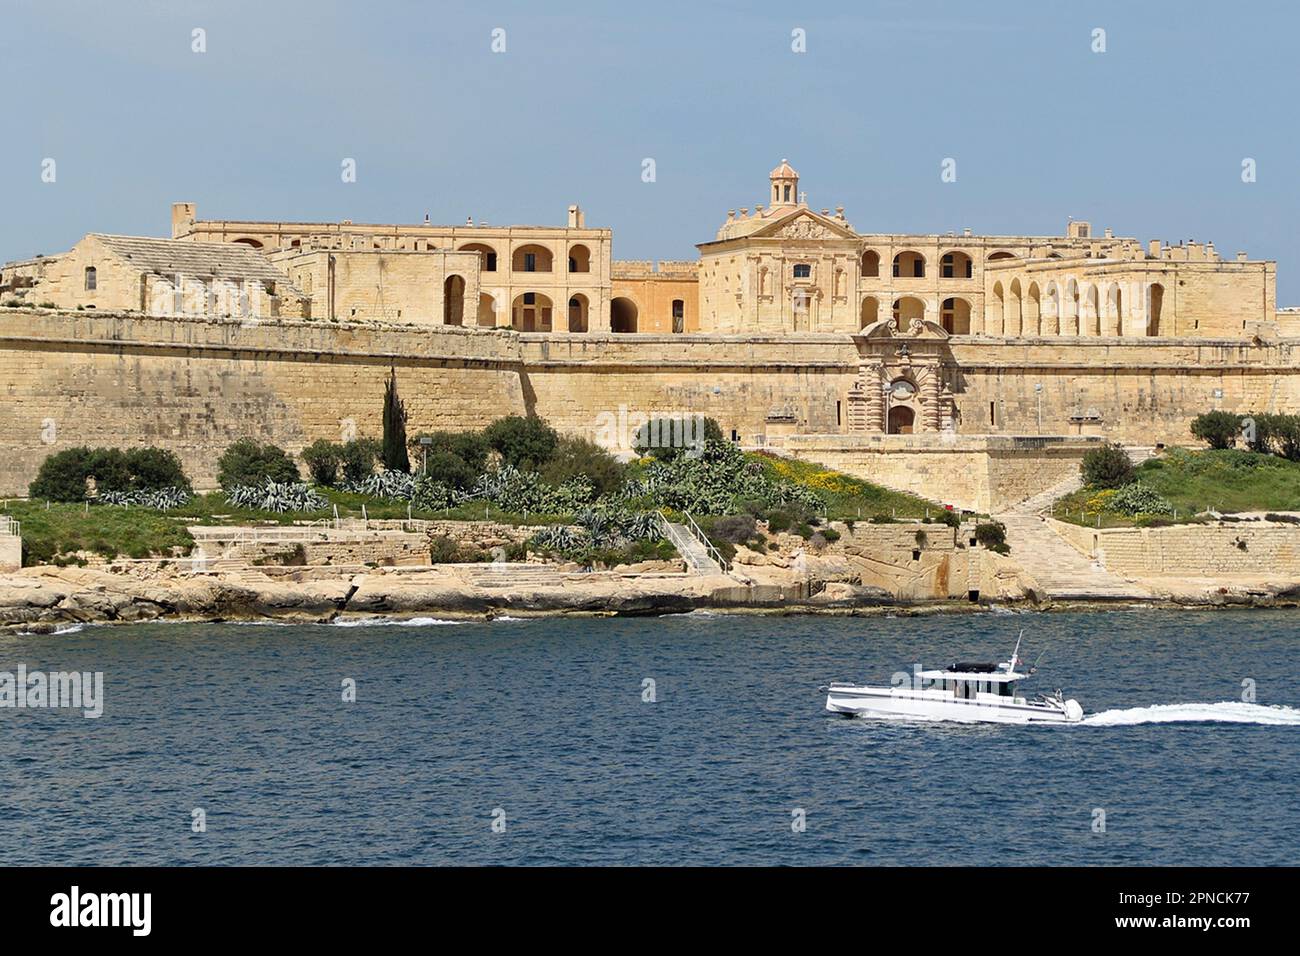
(92, 278)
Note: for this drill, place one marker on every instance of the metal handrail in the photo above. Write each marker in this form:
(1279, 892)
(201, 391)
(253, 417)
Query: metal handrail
(708, 545)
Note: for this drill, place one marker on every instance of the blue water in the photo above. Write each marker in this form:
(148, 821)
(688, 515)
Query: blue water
(544, 720)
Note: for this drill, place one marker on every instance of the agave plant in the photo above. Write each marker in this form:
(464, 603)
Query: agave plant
(160, 499)
(558, 537)
(279, 497)
(393, 485)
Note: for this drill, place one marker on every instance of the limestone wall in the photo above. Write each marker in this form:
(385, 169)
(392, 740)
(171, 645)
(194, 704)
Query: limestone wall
(977, 473)
(1192, 550)
(195, 384)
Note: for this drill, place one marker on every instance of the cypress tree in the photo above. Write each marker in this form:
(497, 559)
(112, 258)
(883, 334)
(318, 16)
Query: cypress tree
(395, 457)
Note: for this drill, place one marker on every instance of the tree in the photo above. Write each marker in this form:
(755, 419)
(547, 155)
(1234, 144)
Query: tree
(1106, 467)
(525, 443)
(246, 463)
(358, 458)
(1216, 429)
(666, 438)
(574, 456)
(395, 456)
(322, 459)
(64, 476)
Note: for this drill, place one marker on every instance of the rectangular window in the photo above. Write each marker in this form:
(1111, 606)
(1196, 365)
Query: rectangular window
(679, 315)
(491, 264)
(993, 418)
(918, 268)
(803, 271)
(530, 298)
(92, 278)
(530, 262)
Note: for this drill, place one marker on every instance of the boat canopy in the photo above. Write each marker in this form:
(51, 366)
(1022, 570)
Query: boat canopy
(963, 672)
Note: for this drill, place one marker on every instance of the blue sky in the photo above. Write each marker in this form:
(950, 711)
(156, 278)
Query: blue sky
(1147, 138)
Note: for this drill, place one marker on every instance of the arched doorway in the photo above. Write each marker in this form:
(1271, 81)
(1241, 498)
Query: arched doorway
(579, 258)
(578, 313)
(622, 315)
(901, 420)
(1155, 300)
(955, 316)
(531, 312)
(487, 311)
(453, 301)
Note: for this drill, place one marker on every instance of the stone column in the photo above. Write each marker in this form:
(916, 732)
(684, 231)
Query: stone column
(871, 380)
(930, 411)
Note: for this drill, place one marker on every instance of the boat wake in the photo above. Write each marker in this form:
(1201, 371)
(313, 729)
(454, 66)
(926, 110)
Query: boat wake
(1227, 711)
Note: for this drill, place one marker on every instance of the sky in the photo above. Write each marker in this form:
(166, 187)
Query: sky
(1148, 137)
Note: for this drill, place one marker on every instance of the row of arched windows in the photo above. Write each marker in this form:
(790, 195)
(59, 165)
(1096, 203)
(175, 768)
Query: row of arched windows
(910, 264)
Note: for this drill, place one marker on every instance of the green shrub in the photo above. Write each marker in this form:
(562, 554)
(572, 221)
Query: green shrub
(830, 534)
(249, 464)
(1217, 429)
(574, 457)
(449, 469)
(524, 443)
(991, 534)
(63, 476)
(358, 458)
(666, 438)
(322, 458)
(470, 447)
(1106, 467)
(1138, 498)
(736, 529)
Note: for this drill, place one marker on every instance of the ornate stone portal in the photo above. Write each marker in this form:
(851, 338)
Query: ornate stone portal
(900, 387)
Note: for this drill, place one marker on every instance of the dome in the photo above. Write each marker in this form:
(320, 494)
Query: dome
(784, 171)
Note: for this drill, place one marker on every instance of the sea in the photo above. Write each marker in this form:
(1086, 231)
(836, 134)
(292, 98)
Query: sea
(695, 739)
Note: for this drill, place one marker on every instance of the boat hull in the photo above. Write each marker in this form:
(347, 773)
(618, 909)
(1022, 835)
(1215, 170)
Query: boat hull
(901, 705)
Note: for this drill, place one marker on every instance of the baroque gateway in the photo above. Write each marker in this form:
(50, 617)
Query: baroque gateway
(985, 363)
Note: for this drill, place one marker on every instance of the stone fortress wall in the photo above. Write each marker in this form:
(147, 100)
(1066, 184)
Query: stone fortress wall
(196, 384)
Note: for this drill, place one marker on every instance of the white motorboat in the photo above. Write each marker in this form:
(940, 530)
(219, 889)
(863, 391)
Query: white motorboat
(977, 692)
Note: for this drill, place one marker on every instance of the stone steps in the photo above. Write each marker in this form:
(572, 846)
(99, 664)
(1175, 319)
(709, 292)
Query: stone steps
(691, 549)
(1061, 570)
(505, 575)
(1042, 501)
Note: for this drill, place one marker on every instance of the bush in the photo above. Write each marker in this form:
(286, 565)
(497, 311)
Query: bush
(470, 447)
(1217, 429)
(1138, 498)
(449, 469)
(665, 438)
(991, 534)
(736, 529)
(154, 469)
(63, 476)
(524, 443)
(322, 459)
(249, 464)
(1106, 467)
(358, 458)
(574, 457)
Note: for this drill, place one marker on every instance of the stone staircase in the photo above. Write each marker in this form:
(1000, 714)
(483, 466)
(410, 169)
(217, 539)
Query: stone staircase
(507, 575)
(1042, 501)
(692, 550)
(1064, 573)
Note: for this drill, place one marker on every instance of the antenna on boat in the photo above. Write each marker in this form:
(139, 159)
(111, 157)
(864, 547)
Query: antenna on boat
(1016, 652)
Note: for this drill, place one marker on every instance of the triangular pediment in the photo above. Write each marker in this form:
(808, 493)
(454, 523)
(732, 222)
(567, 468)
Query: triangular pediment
(804, 224)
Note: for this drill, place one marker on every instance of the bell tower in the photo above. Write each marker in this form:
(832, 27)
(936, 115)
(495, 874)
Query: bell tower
(785, 185)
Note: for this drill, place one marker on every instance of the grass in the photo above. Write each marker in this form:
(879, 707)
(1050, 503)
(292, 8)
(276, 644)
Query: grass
(54, 532)
(1196, 480)
(848, 498)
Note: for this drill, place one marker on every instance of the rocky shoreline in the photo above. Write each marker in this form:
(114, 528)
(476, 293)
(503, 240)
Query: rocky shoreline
(49, 599)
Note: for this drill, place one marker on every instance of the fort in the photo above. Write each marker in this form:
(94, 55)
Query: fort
(973, 369)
